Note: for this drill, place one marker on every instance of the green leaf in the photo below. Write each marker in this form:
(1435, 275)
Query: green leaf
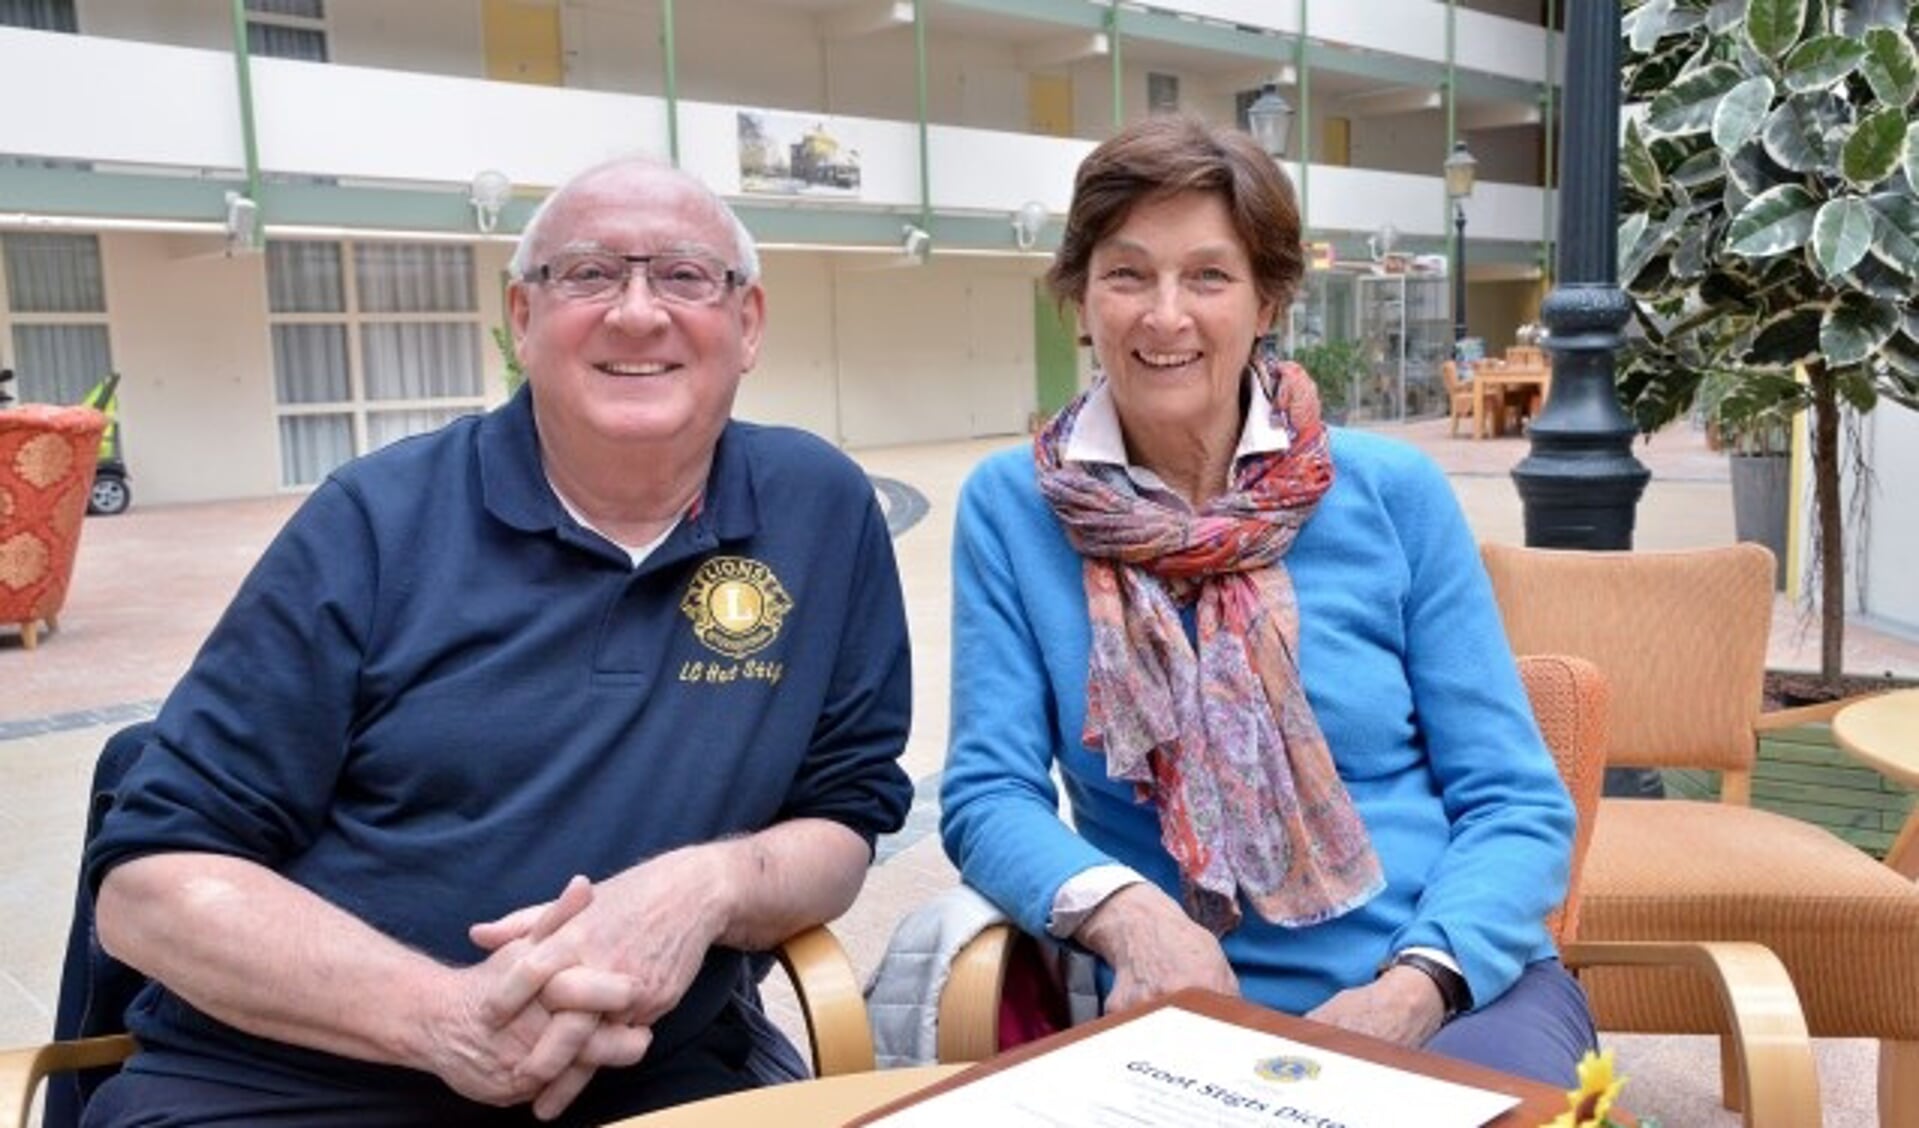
(1650, 241)
(1873, 151)
(1841, 234)
(1776, 221)
(1787, 339)
(1874, 278)
(1855, 387)
(1891, 66)
(1631, 232)
(1892, 243)
(1741, 112)
(1700, 170)
(1647, 23)
(1821, 61)
(1724, 15)
(1687, 105)
(1856, 16)
(1773, 26)
(1690, 259)
(1798, 132)
(1641, 172)
(1909, 154)
(1901, 354)
(1854, 328)
(1754, 170)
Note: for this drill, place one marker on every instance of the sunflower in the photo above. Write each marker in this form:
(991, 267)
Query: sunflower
(1598, 1088)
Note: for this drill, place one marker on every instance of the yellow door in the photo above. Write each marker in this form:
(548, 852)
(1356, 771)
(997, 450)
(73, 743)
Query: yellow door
(1049, 104)
(1336, 142)
(523, 41)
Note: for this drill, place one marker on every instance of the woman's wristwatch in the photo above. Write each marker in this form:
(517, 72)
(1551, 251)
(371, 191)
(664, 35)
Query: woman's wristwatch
(1454, 995)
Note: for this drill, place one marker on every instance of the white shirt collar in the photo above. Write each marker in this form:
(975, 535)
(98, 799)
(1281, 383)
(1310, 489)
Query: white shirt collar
(1097, 437)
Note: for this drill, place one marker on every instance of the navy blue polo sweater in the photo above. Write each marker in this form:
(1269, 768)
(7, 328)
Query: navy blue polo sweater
(437, 696)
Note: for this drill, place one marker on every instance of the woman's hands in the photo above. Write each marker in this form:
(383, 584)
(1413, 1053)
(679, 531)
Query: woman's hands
(1153, 947)
(1402, 1006)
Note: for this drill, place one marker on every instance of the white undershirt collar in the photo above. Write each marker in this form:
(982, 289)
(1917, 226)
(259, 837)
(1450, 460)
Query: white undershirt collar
(1096, 435)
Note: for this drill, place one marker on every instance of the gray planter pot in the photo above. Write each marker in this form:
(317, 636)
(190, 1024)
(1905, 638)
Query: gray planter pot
(1761, 495)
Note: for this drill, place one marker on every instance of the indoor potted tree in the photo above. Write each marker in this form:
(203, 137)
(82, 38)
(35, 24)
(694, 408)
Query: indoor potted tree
(1335, 367)
(1770, 226)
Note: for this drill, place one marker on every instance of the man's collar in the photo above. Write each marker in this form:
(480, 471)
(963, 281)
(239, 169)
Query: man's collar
(1097, 436)
(515, 490)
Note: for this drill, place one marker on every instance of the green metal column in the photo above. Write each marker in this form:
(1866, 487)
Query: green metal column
(249, 139)
(1452, 113)
(1552, 170)
(670, 67)
(1112, 43)
(926, 162)
(1305, 123)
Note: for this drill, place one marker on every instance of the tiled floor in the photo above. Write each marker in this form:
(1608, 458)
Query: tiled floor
(151, 583)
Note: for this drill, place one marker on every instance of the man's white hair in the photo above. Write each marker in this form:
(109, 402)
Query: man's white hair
(747, 254)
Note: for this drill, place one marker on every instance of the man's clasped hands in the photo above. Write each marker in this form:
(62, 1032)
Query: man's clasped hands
(575, 984)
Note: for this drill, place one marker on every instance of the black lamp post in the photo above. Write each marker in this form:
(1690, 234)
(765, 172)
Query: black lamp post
(1270, 119)
(1581, 484)
(1461, 170)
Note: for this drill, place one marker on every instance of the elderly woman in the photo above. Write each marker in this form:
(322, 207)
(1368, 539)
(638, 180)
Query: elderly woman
(1262, 656)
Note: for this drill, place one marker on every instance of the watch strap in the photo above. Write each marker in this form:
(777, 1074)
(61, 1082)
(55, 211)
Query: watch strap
(1454, 994)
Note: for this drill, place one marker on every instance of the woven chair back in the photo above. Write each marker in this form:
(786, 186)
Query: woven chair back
(1679, 636)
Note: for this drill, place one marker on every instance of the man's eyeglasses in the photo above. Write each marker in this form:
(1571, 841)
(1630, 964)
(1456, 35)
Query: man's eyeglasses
(602, 276)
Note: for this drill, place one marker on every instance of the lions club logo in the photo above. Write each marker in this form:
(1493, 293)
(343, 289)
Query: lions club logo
(736, 605)
(1287, 1069)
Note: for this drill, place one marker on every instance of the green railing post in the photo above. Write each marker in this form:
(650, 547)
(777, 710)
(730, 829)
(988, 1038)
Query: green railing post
(669, 58)
(249, 139)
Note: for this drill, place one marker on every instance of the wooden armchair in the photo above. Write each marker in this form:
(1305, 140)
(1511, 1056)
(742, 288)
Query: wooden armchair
(1459, 395)
(47, 459)
(1681, 638)
(1752, 998)
(838, 1036)
(94, 990)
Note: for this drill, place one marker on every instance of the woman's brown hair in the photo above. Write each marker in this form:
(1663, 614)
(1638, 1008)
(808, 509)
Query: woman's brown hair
(1167, 154)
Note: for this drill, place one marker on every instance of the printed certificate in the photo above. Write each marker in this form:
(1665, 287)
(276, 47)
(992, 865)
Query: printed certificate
(1182, 1069)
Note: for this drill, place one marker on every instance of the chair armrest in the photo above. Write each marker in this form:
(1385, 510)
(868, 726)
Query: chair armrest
(829, 994)
(1804, 714)
(1768, 1028)
(21, 1071)
(968, 1020)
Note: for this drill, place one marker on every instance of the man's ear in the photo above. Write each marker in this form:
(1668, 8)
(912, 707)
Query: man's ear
(752, 325)
(517, 311)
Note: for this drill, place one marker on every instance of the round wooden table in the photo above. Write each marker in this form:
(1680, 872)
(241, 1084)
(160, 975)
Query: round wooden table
(804, 1104)
(1883, 732)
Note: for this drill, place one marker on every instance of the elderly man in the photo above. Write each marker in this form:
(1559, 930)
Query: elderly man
(602, 631)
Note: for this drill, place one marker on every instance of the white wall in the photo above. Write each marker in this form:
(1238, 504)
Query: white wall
(859, 351)
(189, 333)
(796, 381)
(943, 351)
(185, 23)
(437, 36)
(1889, 587)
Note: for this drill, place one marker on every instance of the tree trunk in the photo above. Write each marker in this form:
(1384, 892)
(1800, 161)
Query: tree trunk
(1826, 511)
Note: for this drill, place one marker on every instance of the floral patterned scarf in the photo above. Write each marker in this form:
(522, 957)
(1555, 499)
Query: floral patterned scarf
(1223, 740)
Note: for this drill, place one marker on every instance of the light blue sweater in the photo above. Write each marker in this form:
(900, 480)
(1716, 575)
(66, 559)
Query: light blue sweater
(1407, 669)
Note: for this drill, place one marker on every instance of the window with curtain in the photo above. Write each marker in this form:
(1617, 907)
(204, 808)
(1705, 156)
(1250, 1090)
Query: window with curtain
(281, 41)
(56, 309)
(287, 29)
(372, 342)
(39, 15)
(305, 9)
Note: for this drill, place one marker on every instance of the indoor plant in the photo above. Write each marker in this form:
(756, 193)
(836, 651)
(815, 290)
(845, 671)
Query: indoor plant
(1335, 367)
(1770, 226)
